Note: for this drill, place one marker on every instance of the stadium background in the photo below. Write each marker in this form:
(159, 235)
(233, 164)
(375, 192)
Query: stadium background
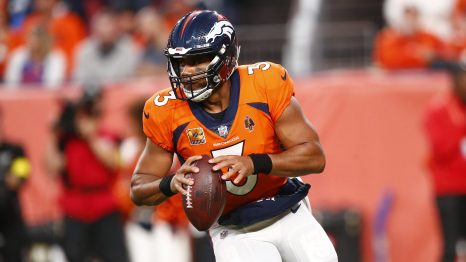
(369, 121)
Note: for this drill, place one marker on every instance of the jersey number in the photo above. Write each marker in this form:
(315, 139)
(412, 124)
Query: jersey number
(164, 101)
(264, 67)
(248, 186)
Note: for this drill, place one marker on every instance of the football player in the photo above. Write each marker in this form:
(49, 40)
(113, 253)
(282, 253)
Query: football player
(248, 120)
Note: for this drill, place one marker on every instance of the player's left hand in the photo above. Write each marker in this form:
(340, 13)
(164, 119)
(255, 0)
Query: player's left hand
(241, 165)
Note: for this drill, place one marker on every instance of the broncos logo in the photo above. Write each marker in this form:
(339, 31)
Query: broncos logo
(219, 28)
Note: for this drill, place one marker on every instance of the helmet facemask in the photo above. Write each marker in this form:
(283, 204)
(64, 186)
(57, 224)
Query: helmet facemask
(222, 64)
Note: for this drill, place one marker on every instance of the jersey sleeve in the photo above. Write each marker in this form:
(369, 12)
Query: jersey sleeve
(156, 121)
(279, 88)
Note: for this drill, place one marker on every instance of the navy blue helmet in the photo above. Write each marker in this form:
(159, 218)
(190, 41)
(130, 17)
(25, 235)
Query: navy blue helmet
(201, 33)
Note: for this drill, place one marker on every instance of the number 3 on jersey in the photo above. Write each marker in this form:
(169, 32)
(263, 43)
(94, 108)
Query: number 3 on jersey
(164, 101)
(237, 150)
(262, 65)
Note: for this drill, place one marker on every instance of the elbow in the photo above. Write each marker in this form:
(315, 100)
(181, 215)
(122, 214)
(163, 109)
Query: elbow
(136, 193)
(320, 163)
(134, 196)
(317, 162)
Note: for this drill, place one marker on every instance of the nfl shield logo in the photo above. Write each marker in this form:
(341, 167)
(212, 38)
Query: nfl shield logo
(222, 131)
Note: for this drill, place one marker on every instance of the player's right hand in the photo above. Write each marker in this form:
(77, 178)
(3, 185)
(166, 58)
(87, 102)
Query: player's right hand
(179, 181)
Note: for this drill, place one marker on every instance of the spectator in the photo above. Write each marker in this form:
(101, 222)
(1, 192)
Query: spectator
(151, 29)
(106, 55)
(445, 125)
(17, 11)
(126, 21)
(87, 158)
(407, 45)
(66, 28)
(36, 61)
(14, 170)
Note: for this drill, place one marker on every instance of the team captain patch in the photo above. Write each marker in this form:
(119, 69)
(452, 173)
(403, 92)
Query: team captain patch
(196, 136)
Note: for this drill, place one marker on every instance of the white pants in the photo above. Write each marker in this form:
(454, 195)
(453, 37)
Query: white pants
(290, 237)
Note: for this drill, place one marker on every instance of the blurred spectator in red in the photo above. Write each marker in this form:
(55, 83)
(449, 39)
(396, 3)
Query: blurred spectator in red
(445, 126)
(87, 158)
(407, 45)
(36, 61)
(107, 55)
(66, 28)
(153, 35)
(14, 169)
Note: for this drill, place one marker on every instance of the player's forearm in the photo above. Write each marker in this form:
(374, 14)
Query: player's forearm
(145, 190)
(302, 159)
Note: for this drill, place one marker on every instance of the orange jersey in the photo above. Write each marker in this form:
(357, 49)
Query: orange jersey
(259, 95)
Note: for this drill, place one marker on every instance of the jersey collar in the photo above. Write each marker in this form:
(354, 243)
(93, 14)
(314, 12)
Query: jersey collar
(230, 113)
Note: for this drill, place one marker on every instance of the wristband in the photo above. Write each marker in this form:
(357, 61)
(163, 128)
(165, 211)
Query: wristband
(164, 186)
(262, 163)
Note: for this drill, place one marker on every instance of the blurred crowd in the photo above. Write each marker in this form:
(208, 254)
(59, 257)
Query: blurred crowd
(417, 38)
(52, 42)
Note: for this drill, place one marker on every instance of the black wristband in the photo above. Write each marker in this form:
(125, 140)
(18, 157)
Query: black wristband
(164, 186)
(262, 163)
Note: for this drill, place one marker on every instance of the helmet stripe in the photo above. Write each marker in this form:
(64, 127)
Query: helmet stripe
(188, 19)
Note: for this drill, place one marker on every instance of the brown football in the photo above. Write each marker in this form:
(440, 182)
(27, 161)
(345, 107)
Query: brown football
(206, 198)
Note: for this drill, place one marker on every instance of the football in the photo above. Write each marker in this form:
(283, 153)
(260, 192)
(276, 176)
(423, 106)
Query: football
(206, 198)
